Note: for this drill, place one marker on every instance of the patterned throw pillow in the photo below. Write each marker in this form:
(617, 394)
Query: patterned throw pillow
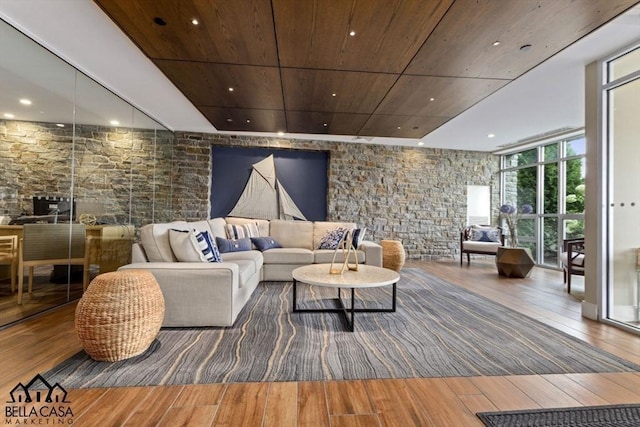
(233, 245)
(358, 236)
(208, 247)
(265, 243)
(248, 230)
(333, 238)
(485, 234)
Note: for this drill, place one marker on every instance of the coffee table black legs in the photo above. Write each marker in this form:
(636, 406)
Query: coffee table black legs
(348, 312)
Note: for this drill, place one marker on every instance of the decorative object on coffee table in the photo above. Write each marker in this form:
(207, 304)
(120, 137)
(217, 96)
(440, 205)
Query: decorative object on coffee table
(347, 248)
(119, 315)
(393, 255)
(514, 262)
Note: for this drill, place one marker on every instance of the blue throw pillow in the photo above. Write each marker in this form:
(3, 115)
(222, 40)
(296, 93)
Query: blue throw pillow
(208, 248)
(233, 245)
(265, 243)
(485, 235)
(358, 236)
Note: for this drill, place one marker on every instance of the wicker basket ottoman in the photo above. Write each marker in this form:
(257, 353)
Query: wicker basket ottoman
(119, 315)
(393, 255)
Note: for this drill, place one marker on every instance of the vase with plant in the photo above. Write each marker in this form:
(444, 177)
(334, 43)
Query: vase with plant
(511, 215)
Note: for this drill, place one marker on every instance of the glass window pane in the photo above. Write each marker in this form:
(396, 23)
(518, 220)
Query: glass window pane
(576, 146)
(623, 65)
(522, 158)
(550, 241)
(575, 191)
(550, 188)
(551, 151)
(573, 228)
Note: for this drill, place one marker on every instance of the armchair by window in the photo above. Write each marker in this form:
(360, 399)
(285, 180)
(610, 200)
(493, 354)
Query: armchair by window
(9, 256)
(572, 257)
(480, 239)
(52, 244)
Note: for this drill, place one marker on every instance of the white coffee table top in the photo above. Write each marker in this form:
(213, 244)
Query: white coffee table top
(367, 276)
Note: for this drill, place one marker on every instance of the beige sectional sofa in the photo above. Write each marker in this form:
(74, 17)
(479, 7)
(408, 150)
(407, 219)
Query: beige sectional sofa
(214, 293)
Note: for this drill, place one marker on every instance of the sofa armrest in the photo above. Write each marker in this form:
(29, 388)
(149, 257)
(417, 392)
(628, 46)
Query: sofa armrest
(372, 253)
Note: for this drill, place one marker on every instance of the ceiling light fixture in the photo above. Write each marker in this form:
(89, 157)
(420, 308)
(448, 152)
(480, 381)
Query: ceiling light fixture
(324, 124)
(398, 128)
(491, 135)
(25, 101)
(115, 122)
(248, 121)
(229, 119)
(352, 33)
(432, 99)
(194, 21)
(333, 94)
(9, 115)
(496, 43)
(230, 89)
(525, 47)
(159, 21)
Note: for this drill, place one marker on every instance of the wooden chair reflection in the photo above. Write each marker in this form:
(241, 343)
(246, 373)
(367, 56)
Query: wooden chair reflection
(52, 244)
(9, 256)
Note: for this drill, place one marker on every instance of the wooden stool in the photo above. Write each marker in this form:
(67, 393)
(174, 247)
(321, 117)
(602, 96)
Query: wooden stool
(119, 315)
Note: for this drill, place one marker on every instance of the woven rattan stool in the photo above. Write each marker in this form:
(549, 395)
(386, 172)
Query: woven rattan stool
(393, 255)
(119, 315)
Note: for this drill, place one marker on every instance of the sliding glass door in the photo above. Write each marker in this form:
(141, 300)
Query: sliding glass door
(621, 99)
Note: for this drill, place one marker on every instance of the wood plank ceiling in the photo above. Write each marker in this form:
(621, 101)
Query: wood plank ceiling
(293, 65)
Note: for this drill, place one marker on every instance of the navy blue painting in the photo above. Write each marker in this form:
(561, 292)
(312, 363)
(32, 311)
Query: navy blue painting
(303, 174)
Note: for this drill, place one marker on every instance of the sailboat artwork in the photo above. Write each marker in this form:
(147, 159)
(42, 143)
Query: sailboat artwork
(264, 197)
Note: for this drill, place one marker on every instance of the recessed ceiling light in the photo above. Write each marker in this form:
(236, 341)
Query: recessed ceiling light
(352, 33)
(398, 127)
(115, 122)
(333, 94)
(432, 99)
(159, 21)
(25, 101)
(491, 135)
(229, 119)
(194, 21)
(525, 47)
(248, 121)
(9, 115)
(230, 89)
(60, 125)
(496, 43)
(420, 143)
(324, 124)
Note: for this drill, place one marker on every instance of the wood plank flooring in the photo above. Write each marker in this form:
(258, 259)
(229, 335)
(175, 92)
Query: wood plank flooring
(38, 344)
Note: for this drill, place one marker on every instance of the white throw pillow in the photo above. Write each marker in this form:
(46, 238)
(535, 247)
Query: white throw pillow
(192, 246)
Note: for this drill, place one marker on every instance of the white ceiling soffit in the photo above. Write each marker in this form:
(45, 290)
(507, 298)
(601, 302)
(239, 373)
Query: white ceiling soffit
(546, 98)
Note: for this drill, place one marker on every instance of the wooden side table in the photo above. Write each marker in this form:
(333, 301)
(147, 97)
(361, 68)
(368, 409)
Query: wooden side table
(514, 262)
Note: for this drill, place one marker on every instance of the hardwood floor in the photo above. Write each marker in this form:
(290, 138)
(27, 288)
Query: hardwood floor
(36, 345)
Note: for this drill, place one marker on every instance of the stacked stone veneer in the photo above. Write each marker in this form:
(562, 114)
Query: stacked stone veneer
(416, 195)
(128, 171)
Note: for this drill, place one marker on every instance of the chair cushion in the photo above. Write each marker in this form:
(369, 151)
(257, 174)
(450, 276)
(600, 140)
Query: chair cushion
(578, 260)
(471, 245)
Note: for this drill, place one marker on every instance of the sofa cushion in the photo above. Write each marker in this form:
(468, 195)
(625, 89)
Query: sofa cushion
(320, 228)
(471, 245)
(247, 269)
(325, 256)
(155, 240)
(292, 234)
(217, 226)
(263, 224)
(265, 243)
(233, 245)
(255, 256)
(288, 256)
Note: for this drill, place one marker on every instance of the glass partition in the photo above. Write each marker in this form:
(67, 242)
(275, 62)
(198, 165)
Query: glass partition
(73, 156)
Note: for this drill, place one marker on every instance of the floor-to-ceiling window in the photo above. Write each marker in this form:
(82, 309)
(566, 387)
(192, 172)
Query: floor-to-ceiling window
(549, 177)
(621, 112)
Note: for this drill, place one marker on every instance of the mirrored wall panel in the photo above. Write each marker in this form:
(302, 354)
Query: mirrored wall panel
(81, 170)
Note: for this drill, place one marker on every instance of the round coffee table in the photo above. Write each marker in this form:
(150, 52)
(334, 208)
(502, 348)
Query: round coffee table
(367, 276)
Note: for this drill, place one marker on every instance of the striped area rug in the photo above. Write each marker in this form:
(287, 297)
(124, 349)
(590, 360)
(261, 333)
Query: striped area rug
(439, 330)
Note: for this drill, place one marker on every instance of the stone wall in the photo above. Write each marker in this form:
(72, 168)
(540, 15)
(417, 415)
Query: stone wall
(128, 171)
(416, 195)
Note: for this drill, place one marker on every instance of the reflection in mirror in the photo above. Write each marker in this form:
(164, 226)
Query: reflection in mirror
(75, 154)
